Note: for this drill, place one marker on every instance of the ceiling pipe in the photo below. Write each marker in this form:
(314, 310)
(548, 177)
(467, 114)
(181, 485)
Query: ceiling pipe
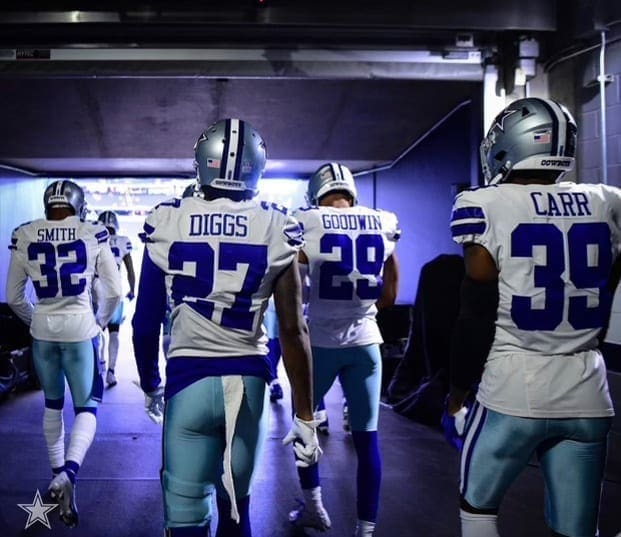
(602, 103)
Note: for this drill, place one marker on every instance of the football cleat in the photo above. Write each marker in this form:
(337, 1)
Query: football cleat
(63, 491)
(316, 517)
(110, 378)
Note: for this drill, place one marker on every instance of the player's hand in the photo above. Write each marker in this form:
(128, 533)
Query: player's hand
(130, 296)
(154, 405)
(303, 435)
(454, 424)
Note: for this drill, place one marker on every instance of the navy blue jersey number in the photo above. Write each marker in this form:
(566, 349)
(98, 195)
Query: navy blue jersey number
(195, 290)
(366, 255)
(581, 237)
(60, 265)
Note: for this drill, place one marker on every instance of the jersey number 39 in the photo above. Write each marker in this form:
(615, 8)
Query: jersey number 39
(582, 271)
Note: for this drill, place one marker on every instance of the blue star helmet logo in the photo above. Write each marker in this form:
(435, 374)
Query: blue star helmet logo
(500, 119)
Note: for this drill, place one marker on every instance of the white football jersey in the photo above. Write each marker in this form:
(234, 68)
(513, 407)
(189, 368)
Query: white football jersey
(60, 257)
(346, 250)
(221, 259)
(554, 246)
(120, 246)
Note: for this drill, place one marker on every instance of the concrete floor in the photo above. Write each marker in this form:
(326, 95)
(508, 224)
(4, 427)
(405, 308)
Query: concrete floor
(118, 490)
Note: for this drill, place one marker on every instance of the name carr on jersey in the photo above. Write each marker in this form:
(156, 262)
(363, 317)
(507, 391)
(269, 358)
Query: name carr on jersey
(363, 222)
(561, 204)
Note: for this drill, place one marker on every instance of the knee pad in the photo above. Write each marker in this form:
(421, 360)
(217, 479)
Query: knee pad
(186, 502)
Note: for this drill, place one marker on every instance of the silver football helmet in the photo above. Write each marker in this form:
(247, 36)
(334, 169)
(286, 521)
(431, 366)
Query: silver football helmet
(65, 194)
(109, 219)
(230, 155)
(328, 178)
(529, 134)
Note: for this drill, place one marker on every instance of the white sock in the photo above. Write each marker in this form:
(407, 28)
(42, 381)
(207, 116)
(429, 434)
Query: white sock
(82, 435)
(473, 525)
(113, 349)
(364, 528)
(312, 497)
(54, 432)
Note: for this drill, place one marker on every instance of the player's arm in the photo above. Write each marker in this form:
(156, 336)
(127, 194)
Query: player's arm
(390, 285)
(109, 287)
(131, 275)
(475, 326)
(146, 323)
(303, 269)
(16, 289)
(294, 341)
(613, 282)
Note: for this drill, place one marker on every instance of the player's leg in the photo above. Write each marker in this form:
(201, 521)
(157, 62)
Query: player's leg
(312, 512)
(572, 497)
(114, 343)
(321, 415)
(80, 364)
(497, 447)
(192, 456)
(361, 381)
(274, 353)
(46, 358)
(247, 447)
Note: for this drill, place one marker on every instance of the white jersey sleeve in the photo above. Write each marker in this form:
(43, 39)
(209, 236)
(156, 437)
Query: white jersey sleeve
(221, 259)
(346, 249)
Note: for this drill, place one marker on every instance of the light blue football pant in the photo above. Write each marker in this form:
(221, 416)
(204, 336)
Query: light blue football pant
(571, 452)
(117, 316)
(78, 362)
(360, 372)
(194, 441)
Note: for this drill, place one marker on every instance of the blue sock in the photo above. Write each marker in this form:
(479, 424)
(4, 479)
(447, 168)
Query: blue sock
(309, 477)
(369, 475)
(71, 468)
(227, 527)
(56, 471)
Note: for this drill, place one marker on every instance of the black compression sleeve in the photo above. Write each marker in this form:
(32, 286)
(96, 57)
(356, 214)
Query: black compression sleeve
(474, 331)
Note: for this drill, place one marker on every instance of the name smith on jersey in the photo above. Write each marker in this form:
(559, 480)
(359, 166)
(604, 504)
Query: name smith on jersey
(56, 234)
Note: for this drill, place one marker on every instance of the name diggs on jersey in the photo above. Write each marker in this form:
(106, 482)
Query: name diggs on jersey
(229, 225)
(561, 204)
(56, 234)
(351, 221)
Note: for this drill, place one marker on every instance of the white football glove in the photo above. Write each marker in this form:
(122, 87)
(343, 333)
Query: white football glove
(303, 435)
(154, 405)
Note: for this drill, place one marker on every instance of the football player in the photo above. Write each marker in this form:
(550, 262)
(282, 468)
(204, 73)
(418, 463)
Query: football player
(121, 248)
(349, 258)
(60, 255)
(535, 301)
(219, 259)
